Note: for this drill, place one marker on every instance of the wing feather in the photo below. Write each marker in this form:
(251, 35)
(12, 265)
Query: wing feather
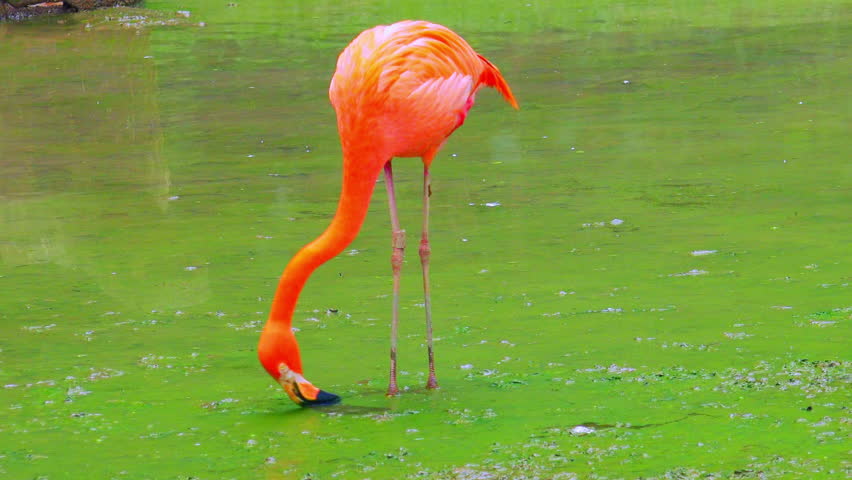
(411, 82)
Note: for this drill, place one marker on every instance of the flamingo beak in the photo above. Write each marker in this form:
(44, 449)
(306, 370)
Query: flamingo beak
(303, 392)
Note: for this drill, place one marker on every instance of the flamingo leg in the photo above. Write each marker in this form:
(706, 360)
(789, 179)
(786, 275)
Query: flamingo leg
(425, 252)
(398, 243)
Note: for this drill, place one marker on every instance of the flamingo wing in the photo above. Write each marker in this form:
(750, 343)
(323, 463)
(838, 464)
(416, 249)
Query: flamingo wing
(408, 86)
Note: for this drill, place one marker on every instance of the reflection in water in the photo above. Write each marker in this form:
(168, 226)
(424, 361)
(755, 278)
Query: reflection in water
(84, 110)
(82, 160)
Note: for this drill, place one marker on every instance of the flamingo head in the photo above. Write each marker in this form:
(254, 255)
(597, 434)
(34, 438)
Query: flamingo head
(280, 358)
(301, 391)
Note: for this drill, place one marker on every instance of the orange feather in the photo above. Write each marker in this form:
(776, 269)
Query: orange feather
(399, 91)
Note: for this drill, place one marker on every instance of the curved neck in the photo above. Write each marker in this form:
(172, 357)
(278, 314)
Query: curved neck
(278, 350)
(359, 180)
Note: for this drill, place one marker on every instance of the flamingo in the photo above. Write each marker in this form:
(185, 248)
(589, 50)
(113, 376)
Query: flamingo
(399, 90)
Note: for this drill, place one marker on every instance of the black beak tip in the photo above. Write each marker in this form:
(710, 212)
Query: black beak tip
(323, 399)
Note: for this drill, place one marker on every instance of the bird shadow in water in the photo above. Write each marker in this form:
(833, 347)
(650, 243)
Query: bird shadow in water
(355, 410)
(345, 407)
(339, 409)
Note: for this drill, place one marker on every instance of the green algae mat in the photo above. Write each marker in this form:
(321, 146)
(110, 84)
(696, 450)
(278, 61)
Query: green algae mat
(643, 273)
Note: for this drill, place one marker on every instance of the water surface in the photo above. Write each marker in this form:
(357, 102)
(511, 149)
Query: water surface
(643, 273)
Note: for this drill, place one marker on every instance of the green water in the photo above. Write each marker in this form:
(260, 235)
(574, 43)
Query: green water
(666, 260)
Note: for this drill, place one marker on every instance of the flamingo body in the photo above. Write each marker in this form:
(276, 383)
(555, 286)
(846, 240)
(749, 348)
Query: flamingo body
(399, 91)
(406, 87)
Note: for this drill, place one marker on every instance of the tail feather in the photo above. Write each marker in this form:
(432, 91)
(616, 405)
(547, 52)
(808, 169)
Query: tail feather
(491, 76)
